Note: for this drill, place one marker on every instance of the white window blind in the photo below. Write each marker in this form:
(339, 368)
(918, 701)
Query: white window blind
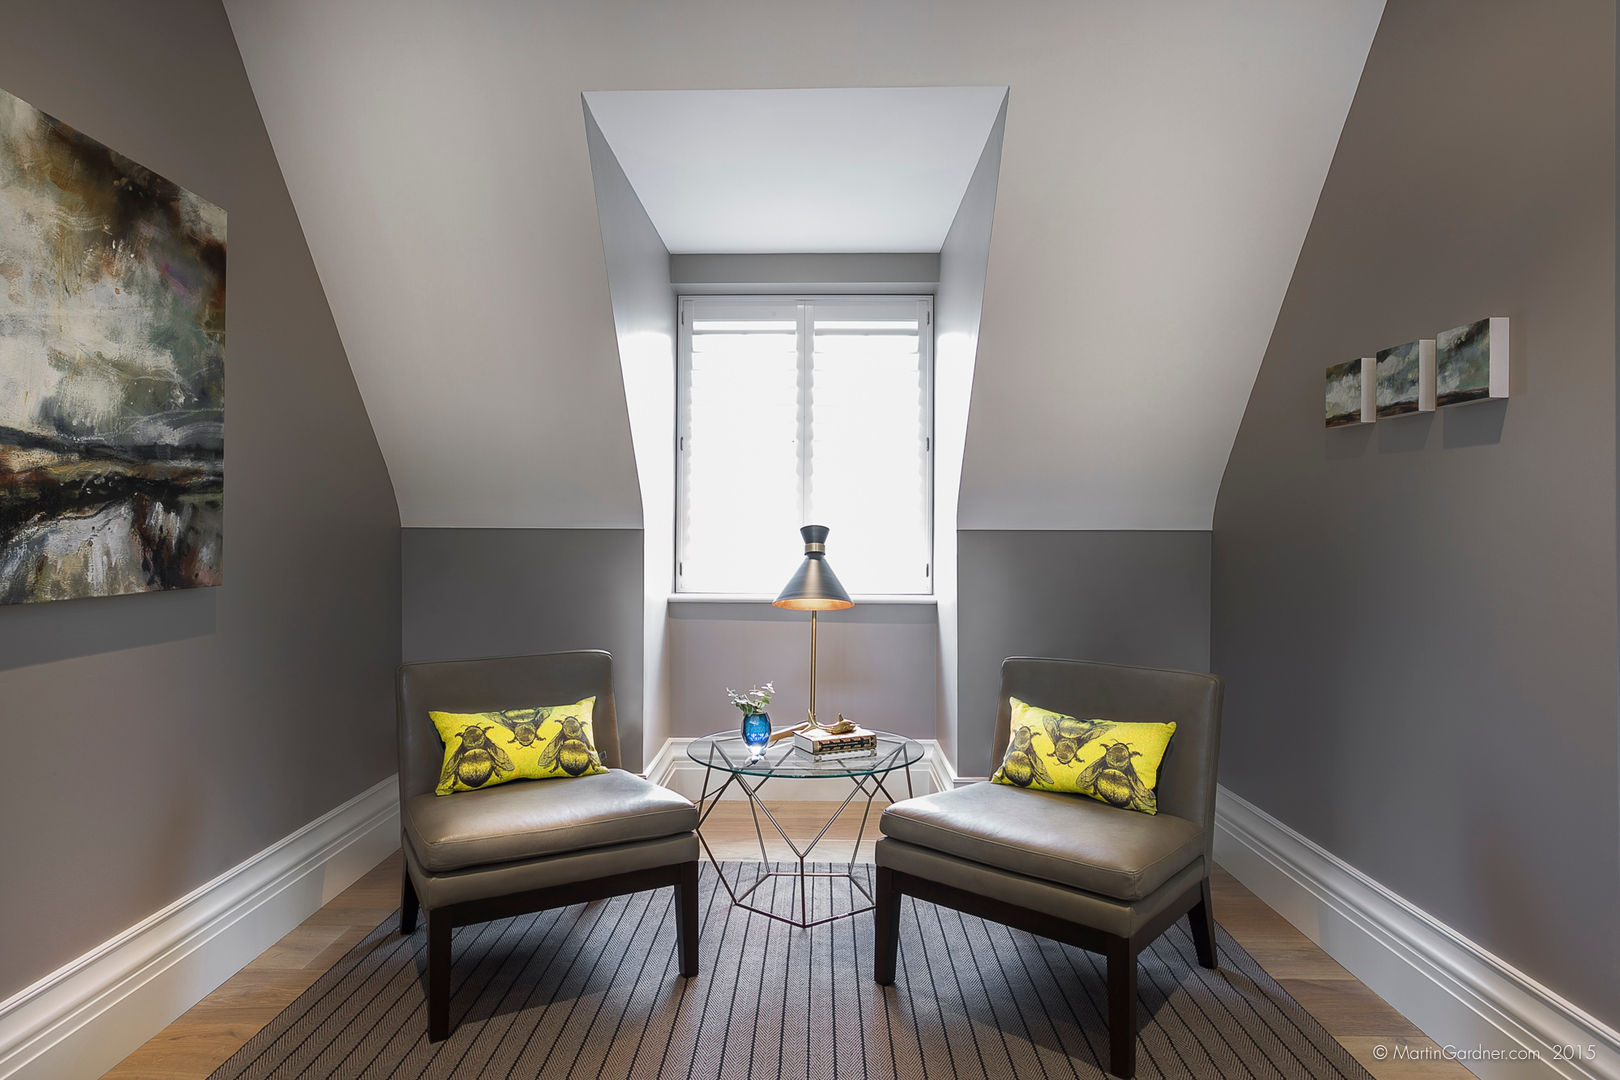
(805, 411)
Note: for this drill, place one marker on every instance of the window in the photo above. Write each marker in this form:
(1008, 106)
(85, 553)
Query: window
(805, 411)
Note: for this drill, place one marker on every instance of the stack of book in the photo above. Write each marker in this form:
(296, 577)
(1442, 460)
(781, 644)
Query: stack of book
(823, 745)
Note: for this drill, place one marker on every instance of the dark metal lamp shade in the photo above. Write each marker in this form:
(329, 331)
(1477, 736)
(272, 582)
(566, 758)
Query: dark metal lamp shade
(814, 587)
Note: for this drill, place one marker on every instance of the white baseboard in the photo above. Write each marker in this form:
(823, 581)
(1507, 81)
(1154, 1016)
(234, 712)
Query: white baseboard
(941, 769)
(672, 768)
(1459, 994)
(84, 1018)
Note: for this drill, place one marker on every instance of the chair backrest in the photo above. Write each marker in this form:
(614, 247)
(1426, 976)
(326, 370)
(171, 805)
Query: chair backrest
(1136, 695)
(508, 682)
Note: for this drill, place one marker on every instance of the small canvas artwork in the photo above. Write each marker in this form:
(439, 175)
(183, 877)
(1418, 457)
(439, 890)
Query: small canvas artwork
(1471, 362)
(1405, 375)
(1350, 393)
(112, 370)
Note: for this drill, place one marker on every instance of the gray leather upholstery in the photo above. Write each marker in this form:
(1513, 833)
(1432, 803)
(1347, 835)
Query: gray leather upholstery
(1067, 866)
(1089, 690)
(1120, 917)
(529, 844)
(510, 682)
(508, 879)
(1069, 840)
(523, 834)
(526, 819)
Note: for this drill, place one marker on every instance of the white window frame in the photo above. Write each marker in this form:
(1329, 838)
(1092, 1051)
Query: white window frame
(683, 415)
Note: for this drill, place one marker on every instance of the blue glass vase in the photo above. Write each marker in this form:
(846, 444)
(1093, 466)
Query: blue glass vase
(756, 730)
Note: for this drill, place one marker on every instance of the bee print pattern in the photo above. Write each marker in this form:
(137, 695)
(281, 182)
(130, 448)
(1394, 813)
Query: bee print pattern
(570, 749)
(522, 724)
(1023, 765)
(1068, 735)
(476, 760)
(1112, 778)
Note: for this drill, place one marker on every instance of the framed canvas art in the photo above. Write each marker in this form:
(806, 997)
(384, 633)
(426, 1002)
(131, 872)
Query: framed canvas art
(1471, 362)
(112, 370)
(1350, 393)
(1405, 376)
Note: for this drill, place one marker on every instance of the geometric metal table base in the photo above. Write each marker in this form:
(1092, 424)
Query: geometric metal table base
(866, 776)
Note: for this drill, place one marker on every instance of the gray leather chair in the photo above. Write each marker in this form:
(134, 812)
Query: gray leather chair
(1068, 867)
(528, 845)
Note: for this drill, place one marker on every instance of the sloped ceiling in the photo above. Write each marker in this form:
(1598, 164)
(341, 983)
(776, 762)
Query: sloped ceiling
(1159, 170)
(830, 170)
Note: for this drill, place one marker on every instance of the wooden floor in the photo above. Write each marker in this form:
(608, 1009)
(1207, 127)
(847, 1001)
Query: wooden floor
(199, 1041)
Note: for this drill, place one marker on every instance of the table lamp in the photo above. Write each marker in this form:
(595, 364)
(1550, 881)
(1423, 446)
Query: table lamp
(814, 587)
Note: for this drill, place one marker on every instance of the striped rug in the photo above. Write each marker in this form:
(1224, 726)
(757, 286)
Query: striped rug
(592, 991)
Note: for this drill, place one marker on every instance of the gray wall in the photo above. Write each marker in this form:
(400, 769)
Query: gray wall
(502, 592)
(876, 664)
(158, 740)
(1417, 622)
(814, 271)
(1123, 597)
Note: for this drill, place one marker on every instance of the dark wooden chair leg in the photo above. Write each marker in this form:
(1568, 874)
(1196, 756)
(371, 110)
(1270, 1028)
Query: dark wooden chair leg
(886, 928)
(686, 919)
(1202, 917)
(438, 972)
(1122, 1009)
(407, 903)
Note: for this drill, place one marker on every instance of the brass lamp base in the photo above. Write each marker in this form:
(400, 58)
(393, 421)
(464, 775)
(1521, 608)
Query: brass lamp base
(813, 723)
(814, 588)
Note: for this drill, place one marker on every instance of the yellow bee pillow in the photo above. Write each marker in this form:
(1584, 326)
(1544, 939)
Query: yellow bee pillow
(1113, 762)
(489, 748)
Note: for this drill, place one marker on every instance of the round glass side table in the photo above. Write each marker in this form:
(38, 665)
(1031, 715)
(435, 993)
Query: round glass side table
(727, 760)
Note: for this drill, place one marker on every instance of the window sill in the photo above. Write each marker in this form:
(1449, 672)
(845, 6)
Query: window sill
(902, 599)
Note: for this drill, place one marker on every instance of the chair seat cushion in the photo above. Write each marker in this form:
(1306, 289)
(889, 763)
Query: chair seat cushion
(1067, 839)
(528, 819)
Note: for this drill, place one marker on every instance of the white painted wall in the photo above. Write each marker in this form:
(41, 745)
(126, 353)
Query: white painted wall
(637, 265)
(1161, 162)
(1154, 196)
(963, 262)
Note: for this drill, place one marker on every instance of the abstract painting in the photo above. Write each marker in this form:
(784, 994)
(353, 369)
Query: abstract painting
(1471, 362)
(1350, 393)
(112, 370)
(1405, 376)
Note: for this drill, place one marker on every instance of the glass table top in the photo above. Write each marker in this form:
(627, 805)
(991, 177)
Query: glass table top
(726, 751)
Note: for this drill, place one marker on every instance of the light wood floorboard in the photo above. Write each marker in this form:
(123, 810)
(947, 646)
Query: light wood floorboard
(216, 1027)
